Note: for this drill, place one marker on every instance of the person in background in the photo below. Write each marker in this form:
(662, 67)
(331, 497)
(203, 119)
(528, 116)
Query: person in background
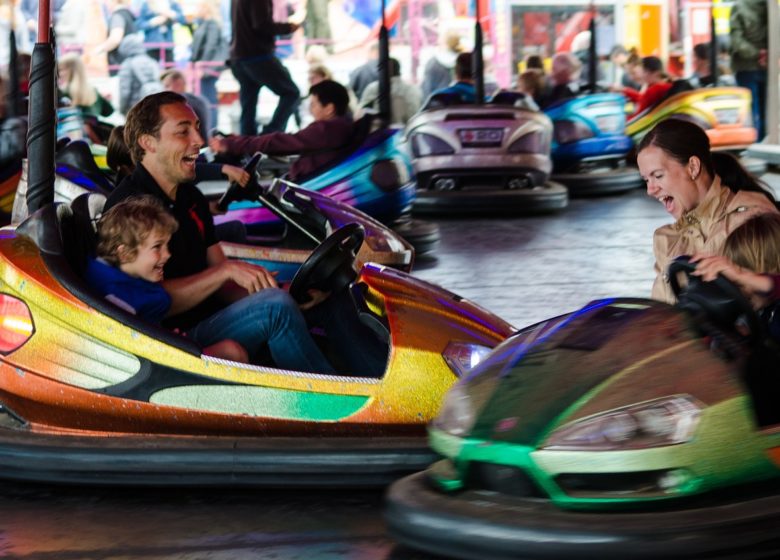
(749, 49)
(438, 72)
(632, 75)
(366, 73)
(564, 78)
(74, 84)
(656, 85)
(681, 172)
(254, 64)
(209, 53)
(156, 19)
(318, 144)
(405, 98)
(463, 86)
(174, 80)
(317, 26)
(531, 83)
(139, 74)
(132, 250)
(121, 23)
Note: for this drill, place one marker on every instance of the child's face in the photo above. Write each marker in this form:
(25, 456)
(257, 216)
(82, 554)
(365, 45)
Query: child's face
(150, 259)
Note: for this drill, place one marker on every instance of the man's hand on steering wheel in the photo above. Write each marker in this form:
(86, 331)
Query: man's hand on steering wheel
(251, 277)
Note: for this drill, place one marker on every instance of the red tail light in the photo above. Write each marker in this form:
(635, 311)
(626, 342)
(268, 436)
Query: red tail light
(16, 324)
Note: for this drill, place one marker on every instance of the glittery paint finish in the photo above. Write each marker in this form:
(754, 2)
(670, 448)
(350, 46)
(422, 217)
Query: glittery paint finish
(702, 106)
(54, 380)
(647, 352)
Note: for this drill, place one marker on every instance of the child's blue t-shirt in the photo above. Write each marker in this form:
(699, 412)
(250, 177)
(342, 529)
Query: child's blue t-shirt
(148, 300)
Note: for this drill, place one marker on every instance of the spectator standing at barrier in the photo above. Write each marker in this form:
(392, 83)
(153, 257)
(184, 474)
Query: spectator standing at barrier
(405, 98)
(139, 74)
(156, 19)
(174, 80)
(12, 18)
(366, 73)
(74, 84)
(438, 71)
(121, 23)
(317, 26)
(749, 44)
(209, 48)
(255, 65)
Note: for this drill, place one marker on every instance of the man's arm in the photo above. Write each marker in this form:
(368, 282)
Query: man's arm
(189, 291)
(318, 136)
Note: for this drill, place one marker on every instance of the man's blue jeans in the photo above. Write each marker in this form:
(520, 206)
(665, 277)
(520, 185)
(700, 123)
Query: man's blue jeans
(270, 317)
(755, 81)
(254, 73)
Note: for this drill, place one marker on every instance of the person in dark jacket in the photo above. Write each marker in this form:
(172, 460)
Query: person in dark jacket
(121, 23)
(139, 74)
(255, 65)
(320, 143)
(209, 53)
(749, 54)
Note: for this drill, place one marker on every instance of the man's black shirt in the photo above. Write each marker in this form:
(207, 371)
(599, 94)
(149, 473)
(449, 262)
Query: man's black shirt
(188, 244)
(195, 234)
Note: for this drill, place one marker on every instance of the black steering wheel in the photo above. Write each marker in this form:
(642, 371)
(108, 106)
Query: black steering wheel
(330, 266)
(721, 300)
(236, 191)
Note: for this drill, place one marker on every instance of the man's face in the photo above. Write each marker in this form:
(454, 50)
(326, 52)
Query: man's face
(175, 83)
(170, 158)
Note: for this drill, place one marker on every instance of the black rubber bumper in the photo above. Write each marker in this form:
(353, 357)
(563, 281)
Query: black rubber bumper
(213, 461)
(599, 182)
(550, 197)
(480, 525)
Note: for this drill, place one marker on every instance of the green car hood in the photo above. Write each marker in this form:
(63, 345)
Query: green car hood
(541, 385)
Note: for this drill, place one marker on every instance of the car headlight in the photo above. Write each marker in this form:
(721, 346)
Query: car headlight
(429, 145)
(656, 423)
(462, 356)
(457, 412)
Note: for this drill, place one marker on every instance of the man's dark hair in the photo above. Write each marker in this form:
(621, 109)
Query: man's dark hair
(144, 118)
(330, 91)
(463, 66)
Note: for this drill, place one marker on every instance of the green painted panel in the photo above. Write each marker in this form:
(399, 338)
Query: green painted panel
(262, 401)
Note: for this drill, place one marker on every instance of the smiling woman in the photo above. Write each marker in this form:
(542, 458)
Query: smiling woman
(708, 194)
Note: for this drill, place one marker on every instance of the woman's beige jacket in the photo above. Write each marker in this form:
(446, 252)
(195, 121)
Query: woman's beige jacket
(704, 229)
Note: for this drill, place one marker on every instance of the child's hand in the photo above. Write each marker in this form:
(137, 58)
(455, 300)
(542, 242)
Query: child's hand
(236, 174)
(708, 267)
